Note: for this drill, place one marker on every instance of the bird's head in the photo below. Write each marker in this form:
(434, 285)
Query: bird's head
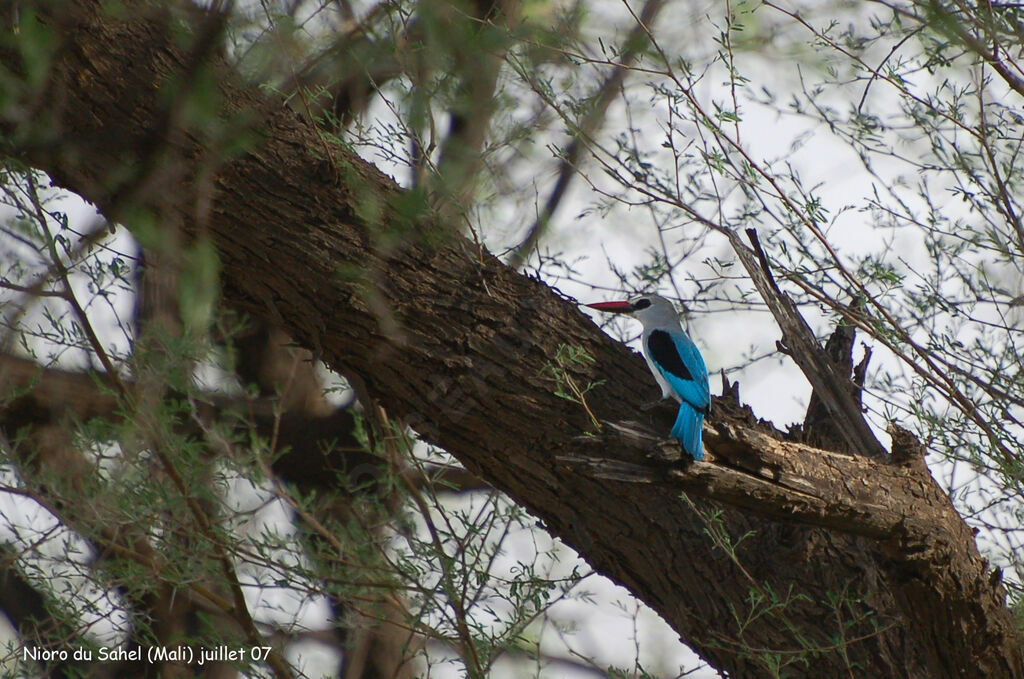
(651, 310)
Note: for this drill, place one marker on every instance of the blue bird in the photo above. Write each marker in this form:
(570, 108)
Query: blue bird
(674, 361)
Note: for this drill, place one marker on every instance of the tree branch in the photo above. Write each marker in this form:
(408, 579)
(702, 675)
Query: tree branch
(751, 469)
(830, 385)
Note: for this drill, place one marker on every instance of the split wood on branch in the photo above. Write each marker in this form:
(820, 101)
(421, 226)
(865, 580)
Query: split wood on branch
(781, 479)
(800, 344)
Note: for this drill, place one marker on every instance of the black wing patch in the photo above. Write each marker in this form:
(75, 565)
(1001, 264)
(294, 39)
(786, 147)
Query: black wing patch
(663, 351)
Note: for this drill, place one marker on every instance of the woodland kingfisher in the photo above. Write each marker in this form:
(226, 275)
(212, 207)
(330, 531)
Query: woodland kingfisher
(674, 361)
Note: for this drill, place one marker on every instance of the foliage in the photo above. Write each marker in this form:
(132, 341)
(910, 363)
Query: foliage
(559, 371)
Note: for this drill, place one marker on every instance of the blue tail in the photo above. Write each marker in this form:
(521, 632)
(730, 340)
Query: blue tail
(687, 430)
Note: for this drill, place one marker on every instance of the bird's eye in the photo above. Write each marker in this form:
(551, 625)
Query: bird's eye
(642, 303)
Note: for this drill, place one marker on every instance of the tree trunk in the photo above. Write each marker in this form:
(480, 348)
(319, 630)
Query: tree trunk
(775, 557)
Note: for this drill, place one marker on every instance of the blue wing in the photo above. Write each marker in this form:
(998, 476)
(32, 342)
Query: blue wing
(680, 363)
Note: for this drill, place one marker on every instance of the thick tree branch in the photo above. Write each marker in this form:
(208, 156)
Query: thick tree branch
(458, 344)
(751, 469)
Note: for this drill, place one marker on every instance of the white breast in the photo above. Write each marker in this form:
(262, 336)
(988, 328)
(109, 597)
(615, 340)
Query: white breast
(666, 390)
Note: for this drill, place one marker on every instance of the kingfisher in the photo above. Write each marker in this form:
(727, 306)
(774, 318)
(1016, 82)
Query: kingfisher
(674, 361)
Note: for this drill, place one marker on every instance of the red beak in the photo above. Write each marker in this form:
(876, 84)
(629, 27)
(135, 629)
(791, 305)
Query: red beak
(613, 307)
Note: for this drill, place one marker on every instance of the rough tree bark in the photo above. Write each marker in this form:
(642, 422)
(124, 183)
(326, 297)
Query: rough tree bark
(879, 575)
